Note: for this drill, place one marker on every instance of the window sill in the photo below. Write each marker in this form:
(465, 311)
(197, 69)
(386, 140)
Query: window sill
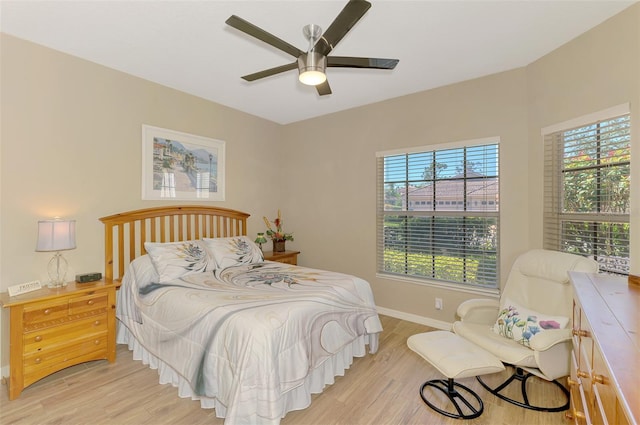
(469, 289)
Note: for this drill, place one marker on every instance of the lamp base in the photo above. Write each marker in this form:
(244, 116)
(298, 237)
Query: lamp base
(57, 270)
(56, 284)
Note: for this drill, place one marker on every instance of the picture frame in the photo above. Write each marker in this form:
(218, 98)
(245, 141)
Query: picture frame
(179, 166)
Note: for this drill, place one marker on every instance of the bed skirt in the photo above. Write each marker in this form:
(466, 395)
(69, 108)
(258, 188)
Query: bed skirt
(295, 399)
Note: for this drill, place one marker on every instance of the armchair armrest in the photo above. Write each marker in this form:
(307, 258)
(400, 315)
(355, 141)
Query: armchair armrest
(481, 311)
(547, 339)
(553, 352)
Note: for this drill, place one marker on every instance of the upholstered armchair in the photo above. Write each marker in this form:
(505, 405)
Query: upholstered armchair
(529, 328)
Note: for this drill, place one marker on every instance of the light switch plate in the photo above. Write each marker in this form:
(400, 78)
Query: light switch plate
(23, 288)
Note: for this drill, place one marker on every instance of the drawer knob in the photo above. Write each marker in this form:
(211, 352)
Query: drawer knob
(96, 323)
(38, 338)
(37, 360)
(599, 379)
(97, 342)
(90, 302)
(580, 332)
(47, 311)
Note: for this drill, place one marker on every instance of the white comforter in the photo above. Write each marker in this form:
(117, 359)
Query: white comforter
(253, 340)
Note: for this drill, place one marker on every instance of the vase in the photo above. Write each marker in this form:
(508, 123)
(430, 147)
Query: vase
(278, 246)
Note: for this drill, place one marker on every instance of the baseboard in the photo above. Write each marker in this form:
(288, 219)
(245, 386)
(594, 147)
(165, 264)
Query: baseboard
(427, 321)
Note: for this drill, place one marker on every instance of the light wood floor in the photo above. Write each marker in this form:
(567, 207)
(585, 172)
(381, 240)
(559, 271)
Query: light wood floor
(378, 389)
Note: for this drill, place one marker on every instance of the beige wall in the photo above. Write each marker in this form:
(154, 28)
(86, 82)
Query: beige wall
(334, 164)
(71, 146)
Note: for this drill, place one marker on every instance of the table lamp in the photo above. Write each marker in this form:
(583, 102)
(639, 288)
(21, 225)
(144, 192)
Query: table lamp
(260, 240)
(56, 235)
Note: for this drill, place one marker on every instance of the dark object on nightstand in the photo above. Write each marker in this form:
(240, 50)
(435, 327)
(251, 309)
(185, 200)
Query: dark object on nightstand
(88, 277)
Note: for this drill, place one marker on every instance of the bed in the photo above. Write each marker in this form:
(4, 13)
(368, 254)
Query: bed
(252, 339)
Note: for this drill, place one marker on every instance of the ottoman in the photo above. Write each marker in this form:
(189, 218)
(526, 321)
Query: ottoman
(454, 357)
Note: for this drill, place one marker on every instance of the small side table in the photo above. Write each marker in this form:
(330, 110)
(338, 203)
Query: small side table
(287, 257)
(51, 329)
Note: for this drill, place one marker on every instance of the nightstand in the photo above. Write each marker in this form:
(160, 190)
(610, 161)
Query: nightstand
(287, 257)
(52, 329)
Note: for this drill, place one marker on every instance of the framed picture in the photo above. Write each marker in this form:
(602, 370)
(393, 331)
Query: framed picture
(180, 166)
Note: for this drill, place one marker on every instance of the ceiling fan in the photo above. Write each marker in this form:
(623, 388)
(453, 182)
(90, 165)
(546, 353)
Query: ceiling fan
(312, 63)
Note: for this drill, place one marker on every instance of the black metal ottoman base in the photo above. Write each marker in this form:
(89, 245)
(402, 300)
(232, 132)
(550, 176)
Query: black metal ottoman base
(468, 410)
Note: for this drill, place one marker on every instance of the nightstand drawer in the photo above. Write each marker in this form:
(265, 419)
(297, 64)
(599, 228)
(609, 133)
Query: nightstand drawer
(38, 365)
(288, 260)
(65, 353)
(45, 311)
(42, 315)
(287, 257)
(50, 338)
(88, 303)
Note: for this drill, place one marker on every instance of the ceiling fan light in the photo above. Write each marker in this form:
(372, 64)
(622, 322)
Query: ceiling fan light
(311, 67)
(312, 78)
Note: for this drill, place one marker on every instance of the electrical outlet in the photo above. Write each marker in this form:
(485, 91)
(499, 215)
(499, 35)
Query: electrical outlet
(438, 303)
(23, 288)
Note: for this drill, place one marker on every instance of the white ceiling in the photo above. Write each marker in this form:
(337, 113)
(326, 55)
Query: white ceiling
(186, 45)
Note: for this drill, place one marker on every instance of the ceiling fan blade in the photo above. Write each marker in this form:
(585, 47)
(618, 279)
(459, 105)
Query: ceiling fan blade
(350, 62)
(257, 32)
(271, 71)
(346, 19)
(324, 88)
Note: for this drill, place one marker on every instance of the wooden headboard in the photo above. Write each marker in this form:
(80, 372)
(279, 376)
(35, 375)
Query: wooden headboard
(125, 233)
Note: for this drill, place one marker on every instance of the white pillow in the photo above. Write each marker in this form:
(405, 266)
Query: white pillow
(144, 272)
(173, 260)
(225, 252)
(521, 324)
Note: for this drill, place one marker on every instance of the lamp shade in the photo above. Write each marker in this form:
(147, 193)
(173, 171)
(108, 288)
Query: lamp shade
(56, 235)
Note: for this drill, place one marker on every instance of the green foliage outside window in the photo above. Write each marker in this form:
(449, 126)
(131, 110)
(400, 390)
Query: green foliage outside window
(595, 188)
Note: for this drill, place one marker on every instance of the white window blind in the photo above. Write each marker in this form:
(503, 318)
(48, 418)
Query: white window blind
(438, 214)
(586, 192)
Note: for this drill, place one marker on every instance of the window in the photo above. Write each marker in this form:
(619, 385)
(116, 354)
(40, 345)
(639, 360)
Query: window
(587, 191)
(453, 236)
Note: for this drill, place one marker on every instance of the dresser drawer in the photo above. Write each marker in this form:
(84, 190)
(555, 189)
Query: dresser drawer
(578, 411)
(577, 315)
(45, 311)
(66, 353)
(88, 303)
(45, 314)
(50, 338)
(38, 365)
(606, 394)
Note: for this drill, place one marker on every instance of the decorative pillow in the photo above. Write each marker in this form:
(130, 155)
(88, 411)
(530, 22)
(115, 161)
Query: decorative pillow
(521, 324)
(173, 260)
(225, 252)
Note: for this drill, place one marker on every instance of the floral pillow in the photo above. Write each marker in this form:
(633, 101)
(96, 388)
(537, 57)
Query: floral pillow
(521, 324)
(173, 260)
(225, 252)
